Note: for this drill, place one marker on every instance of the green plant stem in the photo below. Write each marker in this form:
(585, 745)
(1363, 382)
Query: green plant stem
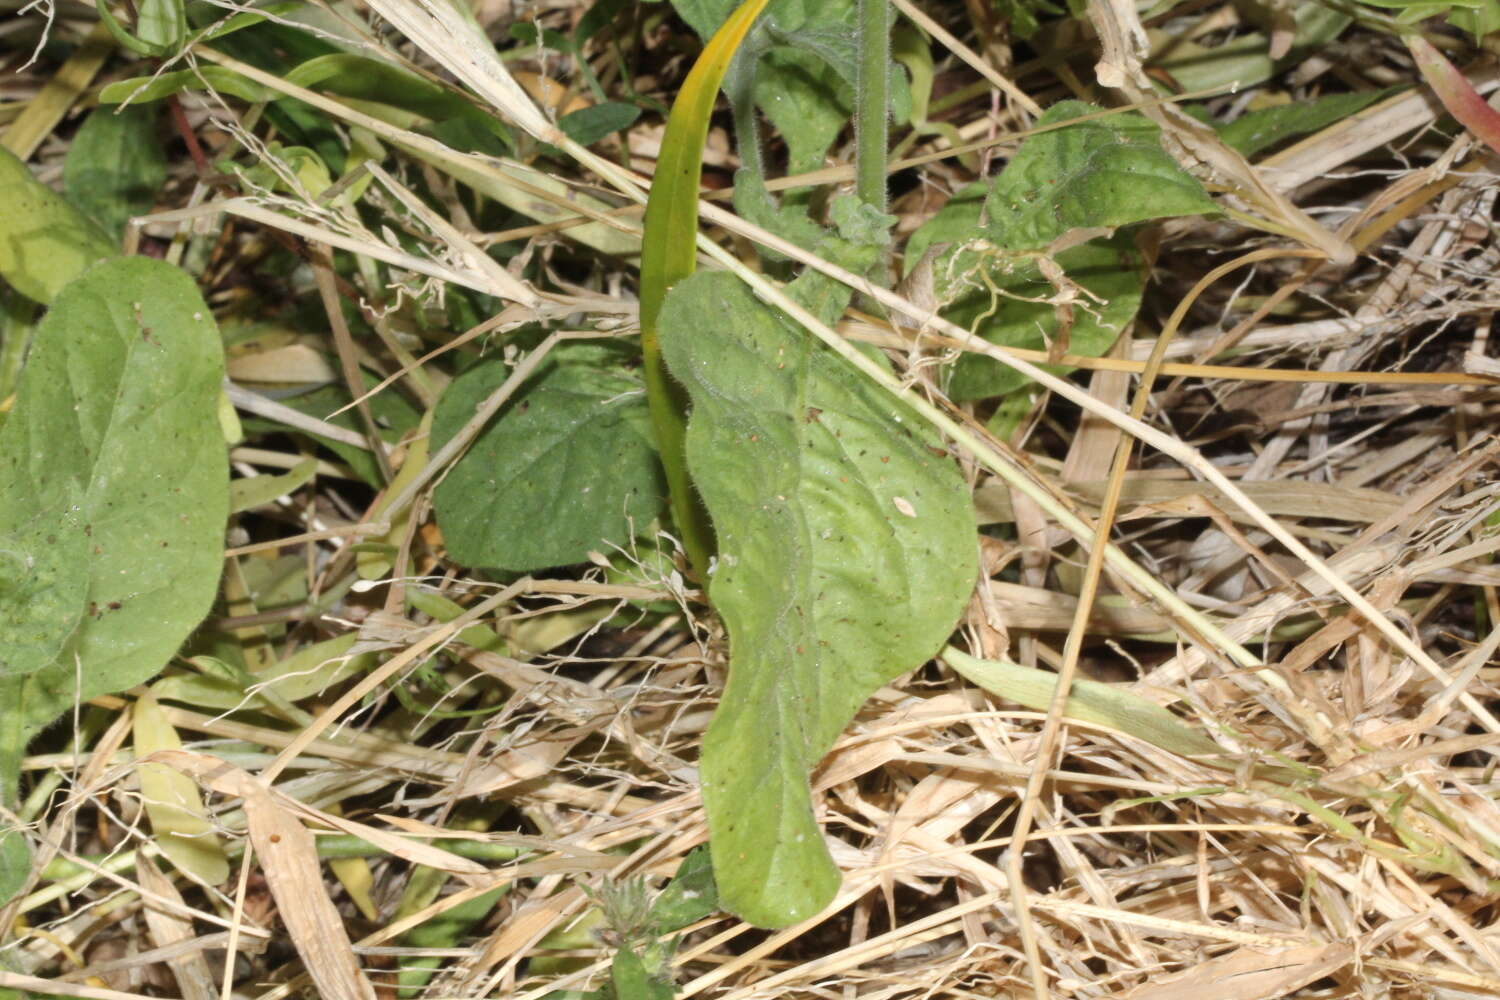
(872, 102)
(747, 133)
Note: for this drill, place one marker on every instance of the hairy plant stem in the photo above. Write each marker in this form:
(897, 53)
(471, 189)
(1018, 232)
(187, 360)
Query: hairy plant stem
(872, 85)
(747, 129)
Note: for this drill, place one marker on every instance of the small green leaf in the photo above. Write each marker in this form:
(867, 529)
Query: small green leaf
(631, 980)
(115, 166)
(566, 468)
(1110, 705)
(44, 241)
(1106, 172)
(161, 24)
(587, 126)
(846, 552)
(689, 897)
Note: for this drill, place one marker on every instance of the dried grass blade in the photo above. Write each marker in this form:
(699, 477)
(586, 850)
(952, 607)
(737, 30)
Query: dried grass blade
(289, 858)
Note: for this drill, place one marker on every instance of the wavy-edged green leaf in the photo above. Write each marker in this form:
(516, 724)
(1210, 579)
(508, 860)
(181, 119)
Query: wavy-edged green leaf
(846, 552)
(113, 456)
(44, 241)
(1109, 705)
(565, 468)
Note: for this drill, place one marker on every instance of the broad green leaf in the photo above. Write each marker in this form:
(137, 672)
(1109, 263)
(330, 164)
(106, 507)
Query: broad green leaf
(115, 166)
(44, 241)
(669, 250)
(1110, 705)
(1106, 172)
(987, 291)
(566, 468)
(174, 805)
(142, 89)
(1258, 130)
(113, 450)
(113, 455)
(846, 552)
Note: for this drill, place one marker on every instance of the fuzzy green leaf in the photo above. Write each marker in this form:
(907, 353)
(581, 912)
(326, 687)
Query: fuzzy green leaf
(846, 552)
(566, 468)
(44, 241)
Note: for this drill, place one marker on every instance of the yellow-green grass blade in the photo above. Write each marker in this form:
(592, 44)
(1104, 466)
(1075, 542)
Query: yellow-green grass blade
(668, 255)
